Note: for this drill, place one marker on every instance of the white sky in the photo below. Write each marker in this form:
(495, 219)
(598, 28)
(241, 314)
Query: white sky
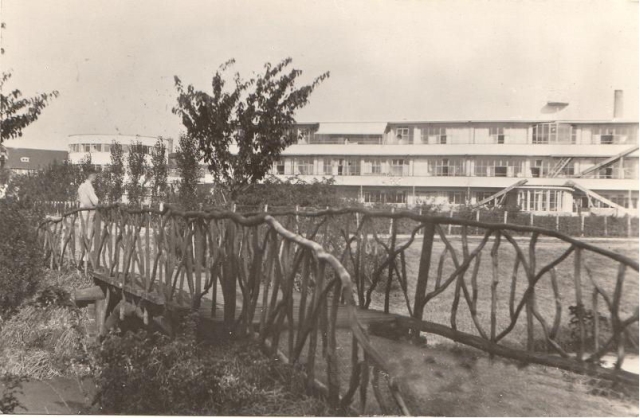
(113, 61)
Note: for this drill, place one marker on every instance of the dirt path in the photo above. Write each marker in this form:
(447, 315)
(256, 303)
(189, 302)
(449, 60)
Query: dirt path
(455, 381)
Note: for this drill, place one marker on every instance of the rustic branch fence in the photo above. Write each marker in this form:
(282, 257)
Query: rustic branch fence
(294, 297)
(305, 277)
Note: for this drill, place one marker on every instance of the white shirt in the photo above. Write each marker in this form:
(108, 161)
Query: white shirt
(87, 196)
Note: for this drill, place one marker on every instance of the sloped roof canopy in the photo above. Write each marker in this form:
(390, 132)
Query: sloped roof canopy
(364, 128)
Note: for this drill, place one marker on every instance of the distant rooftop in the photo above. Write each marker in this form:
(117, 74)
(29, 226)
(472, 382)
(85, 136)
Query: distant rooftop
(32, 159)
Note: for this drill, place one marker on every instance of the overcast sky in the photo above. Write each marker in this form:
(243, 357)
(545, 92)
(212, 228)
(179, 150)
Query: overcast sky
(113, 61)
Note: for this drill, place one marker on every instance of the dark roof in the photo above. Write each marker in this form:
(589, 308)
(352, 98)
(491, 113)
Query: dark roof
(38, 158)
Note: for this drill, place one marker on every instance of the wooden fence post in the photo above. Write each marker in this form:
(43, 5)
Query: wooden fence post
(391, 222)
(449, 226)
(628, 226)
(557, 221)
(423, 272)
(506, 217)
(605, 225)
(530, 218)
(581, 223)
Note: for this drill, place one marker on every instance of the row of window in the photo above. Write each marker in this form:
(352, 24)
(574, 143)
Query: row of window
(542, 133)
(89, 148)
(453, 167)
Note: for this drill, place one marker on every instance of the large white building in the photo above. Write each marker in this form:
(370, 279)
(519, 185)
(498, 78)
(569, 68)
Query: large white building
(542, 165)
(99, 146)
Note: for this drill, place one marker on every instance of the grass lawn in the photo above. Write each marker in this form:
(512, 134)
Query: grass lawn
(604, 272)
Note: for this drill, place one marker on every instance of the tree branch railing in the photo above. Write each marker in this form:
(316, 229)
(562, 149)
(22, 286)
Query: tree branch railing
(499, 287)
(283, 288)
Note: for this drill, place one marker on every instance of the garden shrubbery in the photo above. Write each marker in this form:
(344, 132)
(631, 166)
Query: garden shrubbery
(142, 373)
(46, 337)
(21, 263)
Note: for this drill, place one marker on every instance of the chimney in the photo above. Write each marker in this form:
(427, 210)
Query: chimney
(618, 104)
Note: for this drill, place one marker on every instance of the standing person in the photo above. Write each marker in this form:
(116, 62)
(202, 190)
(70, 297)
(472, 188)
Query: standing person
(86, 194)
(87, 199)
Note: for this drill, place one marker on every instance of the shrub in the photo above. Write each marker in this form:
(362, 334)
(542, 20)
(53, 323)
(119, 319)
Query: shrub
(20, 256)
(141, 373)
(47, 335)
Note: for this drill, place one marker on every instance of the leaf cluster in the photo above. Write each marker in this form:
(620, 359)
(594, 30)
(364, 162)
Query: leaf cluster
(242, 130)
(158, 171)
(116, 172)
(137, 169)
(18, 112)
(187, 159)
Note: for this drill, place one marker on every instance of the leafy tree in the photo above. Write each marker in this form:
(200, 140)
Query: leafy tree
(18, 112)
(187, 158)
(257, 115)
(158, 171)
(116, 172)
(137, 168)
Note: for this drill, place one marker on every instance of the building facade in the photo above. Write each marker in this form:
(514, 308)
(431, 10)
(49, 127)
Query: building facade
(541, 166)
(99, 147)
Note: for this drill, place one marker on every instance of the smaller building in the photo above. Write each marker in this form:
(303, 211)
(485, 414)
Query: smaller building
(28, 160)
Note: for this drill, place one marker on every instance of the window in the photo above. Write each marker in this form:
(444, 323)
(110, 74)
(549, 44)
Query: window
(96, 148)
(399, 167)
(373, 196)
(606, 139)
(305, 166)
(553, 133)
(396, 197)
(352, 167)
(505, 167)
(540, 168)
(280, 167)
(325, 166)
(402, 133)
(87, 147)
(434, 135)
(456, 198)
(377, 196)
(24, 159)
(449, 167)
(501, 171)
(497, 133)
(376, 167)
(106, 147)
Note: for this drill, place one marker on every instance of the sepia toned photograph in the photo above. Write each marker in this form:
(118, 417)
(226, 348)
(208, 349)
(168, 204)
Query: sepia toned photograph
(319, 208)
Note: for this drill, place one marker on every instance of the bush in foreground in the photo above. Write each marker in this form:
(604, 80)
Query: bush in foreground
(46, 337)
(20, 259)
(138, 373)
